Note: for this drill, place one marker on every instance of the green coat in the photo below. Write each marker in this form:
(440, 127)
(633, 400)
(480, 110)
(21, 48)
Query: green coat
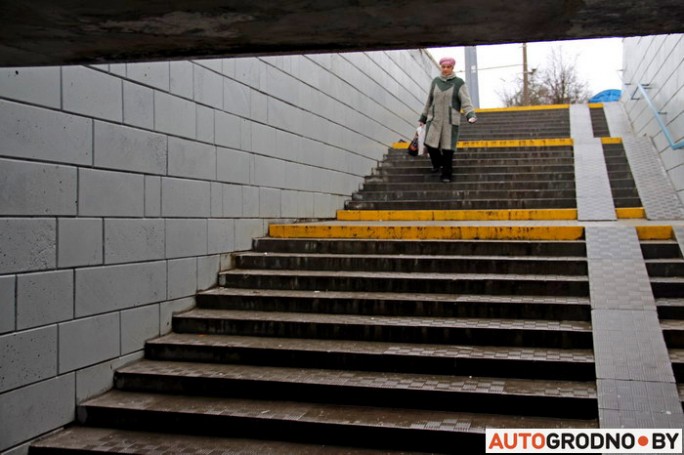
(442, 112)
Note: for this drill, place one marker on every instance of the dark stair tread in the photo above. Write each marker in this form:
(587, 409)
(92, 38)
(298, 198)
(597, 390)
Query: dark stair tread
(664, 302)
(676, 355)
(552, 259)
(335, 414)
(106, 440)
(380, 348)
(672, 324)
(391, 296)
(405, 275)
(363, 379)
(680, 387)
(388, 321)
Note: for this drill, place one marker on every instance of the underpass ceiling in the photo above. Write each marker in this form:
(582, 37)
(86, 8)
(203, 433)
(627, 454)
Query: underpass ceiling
(51, 32)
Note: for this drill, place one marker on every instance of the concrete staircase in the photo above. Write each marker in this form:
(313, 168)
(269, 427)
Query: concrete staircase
(392, 342)
(665, 267)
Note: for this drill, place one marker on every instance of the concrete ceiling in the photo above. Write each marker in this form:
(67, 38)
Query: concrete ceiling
(51, 32)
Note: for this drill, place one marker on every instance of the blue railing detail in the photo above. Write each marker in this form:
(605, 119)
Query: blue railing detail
(642, 88)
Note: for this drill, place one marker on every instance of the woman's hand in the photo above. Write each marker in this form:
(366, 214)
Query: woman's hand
(472, 120)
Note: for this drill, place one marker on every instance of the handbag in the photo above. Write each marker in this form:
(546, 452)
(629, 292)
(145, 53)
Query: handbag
(413, 146)
(417, 142)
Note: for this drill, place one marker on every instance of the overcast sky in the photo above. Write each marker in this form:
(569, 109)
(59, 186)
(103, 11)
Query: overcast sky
(597, 61)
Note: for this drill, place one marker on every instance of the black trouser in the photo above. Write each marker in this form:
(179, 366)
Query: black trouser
(442, 158)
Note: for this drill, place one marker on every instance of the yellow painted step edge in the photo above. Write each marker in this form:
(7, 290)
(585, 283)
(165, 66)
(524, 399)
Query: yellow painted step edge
(655, 232)
(508, 143)
(427, 232)
(630, 213)
(456, 215)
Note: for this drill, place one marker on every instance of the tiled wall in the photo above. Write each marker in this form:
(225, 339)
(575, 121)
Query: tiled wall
(658, 61)
(123, 188)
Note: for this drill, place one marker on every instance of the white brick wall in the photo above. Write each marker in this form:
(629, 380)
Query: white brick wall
(659, 61)
(123, 187)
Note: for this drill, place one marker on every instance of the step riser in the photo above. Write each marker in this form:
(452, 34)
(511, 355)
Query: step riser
(433, 247)
(661, 250)
(674, 339)
(484, 177)
(459, 195)
(390, 171)
(417, 307)
(387, 438)
(440, 286)
(667, 290)
(405, 334)
(539, 153)
(480, 161)
(672, 269)
(464, 205)
(491, 403)
(671, 312)
(526, 369)
(424, 265)
(482, 186)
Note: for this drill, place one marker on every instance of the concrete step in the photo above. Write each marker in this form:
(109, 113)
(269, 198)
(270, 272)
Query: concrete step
(492, 361)
(480, 169)
(490, 153)
(657, 249)
(460, 160)
(312, 423)
(510, 185)
(423, 247)
(477, 204)
(670, 267)
(442, 194)
(497, 135)
(85, 440)
(427, 177)
(670, 308)
(547, 398)
(627, 202)
(677, 358)
(471, 331)
(440, 283)
(667, 287)
(413, 263)
(673, 332)
(398, 304)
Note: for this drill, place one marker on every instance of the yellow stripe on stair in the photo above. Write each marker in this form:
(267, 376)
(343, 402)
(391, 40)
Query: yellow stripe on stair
(654, 232)
(553, 142)
(456, 215)
(426, 232)
(630, 213)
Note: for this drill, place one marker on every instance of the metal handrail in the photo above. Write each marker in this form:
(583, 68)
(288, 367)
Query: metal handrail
(642, 88)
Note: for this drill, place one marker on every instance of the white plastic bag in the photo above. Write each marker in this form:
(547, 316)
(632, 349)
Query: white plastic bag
(421, 139)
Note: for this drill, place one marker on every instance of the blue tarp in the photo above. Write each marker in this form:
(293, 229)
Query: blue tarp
(606, 95)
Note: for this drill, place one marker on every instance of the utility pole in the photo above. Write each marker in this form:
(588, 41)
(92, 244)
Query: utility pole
(471, 75)
(526, 86)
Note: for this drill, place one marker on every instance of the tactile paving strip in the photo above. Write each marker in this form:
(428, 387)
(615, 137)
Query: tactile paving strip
(594, 196)
(618, 125)
(636, 386)
(657, 194)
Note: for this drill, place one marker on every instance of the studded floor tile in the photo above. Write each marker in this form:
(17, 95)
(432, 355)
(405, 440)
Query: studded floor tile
(636, 386)
(134, 442)
(331, 414)
(381, 348)
(657, 194)
(363, 379)
(397, 321)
